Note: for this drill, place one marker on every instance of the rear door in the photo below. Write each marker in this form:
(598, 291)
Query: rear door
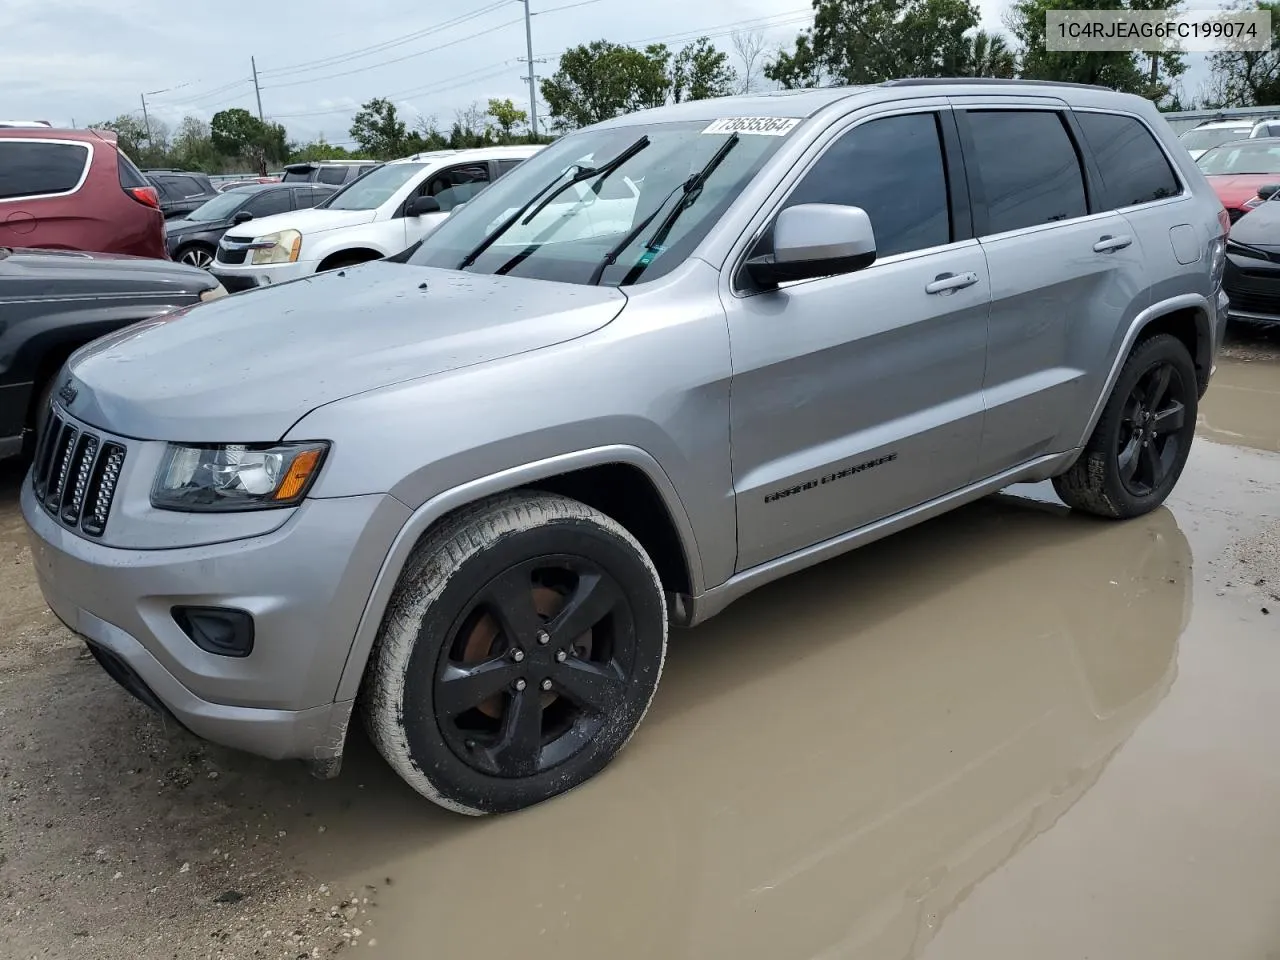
(1066, 273)
(39, 202)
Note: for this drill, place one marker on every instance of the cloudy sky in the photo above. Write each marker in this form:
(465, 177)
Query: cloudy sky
(85, 61)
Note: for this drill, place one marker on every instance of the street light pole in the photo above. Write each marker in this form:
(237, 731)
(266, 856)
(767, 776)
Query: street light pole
(146, 121)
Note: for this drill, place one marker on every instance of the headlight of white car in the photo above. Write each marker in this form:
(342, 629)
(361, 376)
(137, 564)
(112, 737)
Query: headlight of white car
(282, 247)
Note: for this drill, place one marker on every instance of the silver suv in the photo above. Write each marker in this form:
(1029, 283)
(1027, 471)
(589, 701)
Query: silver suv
(672, 357)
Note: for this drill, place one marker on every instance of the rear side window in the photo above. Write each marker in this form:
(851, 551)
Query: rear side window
(131, 177)
(297, 175)
(893, 169)
(1134, 168)
(332, 175)
(1028, 168)
(30, 169)
(506, 166)
(183, 187)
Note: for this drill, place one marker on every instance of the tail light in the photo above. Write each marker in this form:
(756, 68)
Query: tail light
(146, 196)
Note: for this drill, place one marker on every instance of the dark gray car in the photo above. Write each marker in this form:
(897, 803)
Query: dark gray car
(54, 301)
(1252, 278)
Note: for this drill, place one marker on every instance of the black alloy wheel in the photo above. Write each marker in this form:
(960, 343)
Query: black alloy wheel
(1152, 429)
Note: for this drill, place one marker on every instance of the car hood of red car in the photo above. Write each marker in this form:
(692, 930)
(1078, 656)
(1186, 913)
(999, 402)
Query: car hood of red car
(1233, 189)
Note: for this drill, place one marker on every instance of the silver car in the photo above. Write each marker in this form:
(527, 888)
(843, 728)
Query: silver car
(466, 489)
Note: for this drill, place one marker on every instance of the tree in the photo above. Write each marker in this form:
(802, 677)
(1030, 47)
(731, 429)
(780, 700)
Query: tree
(192, 147)
(428, 132)
(378, 129)
(1120, 70)
(987, 55)
(749, 48)
(318, 149)
(506, 116)
(236, 132)
(700, 72)
(870, 41)
(131, 135)
(601, 80)
(1246, 78)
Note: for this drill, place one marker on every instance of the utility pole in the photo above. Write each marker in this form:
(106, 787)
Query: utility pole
(256, 92)
(146, 121)
(533, 96)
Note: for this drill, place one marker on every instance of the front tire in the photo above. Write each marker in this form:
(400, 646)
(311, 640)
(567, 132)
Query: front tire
(1138, 449)
(196, 255)
(519, 652)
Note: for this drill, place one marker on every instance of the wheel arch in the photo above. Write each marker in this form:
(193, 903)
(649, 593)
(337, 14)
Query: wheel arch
(1187, 317)
(353, 255)
(614, 479)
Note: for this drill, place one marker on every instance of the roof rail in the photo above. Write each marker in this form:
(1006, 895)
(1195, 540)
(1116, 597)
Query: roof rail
(988, 82)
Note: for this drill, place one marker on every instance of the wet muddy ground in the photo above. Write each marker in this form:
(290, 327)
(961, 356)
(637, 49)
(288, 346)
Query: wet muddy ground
(1009, 733)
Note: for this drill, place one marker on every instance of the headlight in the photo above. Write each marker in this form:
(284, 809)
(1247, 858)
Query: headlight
(215, 293)
(282, 247)
(236, 476)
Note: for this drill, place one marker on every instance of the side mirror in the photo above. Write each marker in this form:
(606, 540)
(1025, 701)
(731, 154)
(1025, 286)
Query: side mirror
(420, 206)
(1268, 190)
(242, 216)
(815, 240)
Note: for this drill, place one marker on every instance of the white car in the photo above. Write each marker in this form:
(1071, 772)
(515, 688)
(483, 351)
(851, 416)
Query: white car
(380, 214)
(1206, 136)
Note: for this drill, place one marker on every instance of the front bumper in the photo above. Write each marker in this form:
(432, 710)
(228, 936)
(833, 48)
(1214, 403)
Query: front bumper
(245, 277)
(1253, 286)
(305, 583)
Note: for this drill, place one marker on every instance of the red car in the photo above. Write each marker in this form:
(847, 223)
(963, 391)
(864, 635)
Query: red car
(1237, 169)
(74, 190)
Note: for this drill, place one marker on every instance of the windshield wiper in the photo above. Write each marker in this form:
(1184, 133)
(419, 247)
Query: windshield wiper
(584, 173)
(691, 189)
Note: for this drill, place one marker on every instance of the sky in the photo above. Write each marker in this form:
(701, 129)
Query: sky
(86, 61)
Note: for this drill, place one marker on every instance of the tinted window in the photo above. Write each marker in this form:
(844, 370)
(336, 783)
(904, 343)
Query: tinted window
(304, 197)
(34, 169)
(893, 169)
(457, 184)
(268, 202)
(506, 166)
(1134, 168)
(332, 175)
(1028, 167)
(292, 175)
(130, 176)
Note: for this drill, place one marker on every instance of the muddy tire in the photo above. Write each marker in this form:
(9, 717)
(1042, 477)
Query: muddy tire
(519, 652)
(1140, 445)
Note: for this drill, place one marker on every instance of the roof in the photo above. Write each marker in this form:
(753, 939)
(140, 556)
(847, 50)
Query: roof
(479, 153)
(56, 133)
(806, 103)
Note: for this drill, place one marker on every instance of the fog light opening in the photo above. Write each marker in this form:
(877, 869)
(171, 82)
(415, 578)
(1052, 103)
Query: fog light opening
(223, 631)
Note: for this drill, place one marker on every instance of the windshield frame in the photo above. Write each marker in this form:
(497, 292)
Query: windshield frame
(574, 256)
(1260, 146)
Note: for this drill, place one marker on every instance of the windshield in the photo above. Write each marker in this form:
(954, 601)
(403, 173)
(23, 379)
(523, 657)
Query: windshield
(375, 188)
(219, 208)
(593, 221)
(1204, 139)
(1251, 156)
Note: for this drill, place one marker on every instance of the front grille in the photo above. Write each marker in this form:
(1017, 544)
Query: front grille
(233, 256)
(75, 475)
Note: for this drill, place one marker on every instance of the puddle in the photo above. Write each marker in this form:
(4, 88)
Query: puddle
(1243, 404)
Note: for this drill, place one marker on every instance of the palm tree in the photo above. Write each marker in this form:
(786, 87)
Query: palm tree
(987, 55)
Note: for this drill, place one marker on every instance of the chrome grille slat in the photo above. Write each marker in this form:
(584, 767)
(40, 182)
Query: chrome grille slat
(75, 475)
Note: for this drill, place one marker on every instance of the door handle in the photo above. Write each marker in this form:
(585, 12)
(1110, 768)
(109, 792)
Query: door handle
(950, 282)
(1110, 244)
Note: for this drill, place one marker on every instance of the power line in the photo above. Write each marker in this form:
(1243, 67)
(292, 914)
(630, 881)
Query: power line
(439, 86)
(407, 56)
(322, 62)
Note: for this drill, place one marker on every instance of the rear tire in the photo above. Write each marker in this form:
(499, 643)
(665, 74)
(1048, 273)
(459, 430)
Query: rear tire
(1137, 451)
(519, 652)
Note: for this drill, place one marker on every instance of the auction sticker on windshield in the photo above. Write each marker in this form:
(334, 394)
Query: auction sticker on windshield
(761, 126)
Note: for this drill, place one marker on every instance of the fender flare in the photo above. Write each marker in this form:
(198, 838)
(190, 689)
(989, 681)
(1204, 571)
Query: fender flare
(1204, 337)
(449, 500)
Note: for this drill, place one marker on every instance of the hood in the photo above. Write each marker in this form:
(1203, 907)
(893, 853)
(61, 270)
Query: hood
(67, 273)
(1259, 228)
(181, 225)
(1233, 189)
(245, 368)
(304, 221)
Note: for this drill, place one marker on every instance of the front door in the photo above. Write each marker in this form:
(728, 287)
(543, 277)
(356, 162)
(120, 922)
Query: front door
(856, 397)
(451, 187)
